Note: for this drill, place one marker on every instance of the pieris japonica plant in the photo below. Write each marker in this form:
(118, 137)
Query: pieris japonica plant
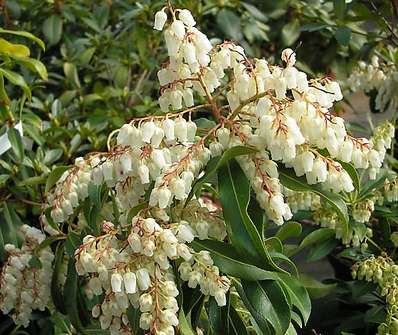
(167, 231)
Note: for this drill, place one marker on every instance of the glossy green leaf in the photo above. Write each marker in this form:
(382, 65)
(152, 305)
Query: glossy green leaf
(315, 288)
(16, 143)
(288, 230)
(13, 50)
(314, 26)
(291, 181)
(218, 316)
(343, 35)
(215, 164)
(236, 324)
(52, 29)
(34, 65)
(54, 176)
(16, 79)
(56, 291)
(185, 327)
(24, 34)
(133, 315)
(291, 32)
(71, 74)
(339, 8)
(298, 295)
(316, 236)
(267, 302)
(70, 295)
(368, 186)
(234, 195)
(229, 23)
(322, 249)
(73, 241)
(230, 262)
(31, 181)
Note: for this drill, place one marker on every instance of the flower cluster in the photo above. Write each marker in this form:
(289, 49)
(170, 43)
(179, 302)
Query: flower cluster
(384, 272)
(140, 273)
(302, 201)
(153, 164)
(362, 210)
(72, 189)
(391, 190)
(24, 288)
(356, 234)
(379, 76)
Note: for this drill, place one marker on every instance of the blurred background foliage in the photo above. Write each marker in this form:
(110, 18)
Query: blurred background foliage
(102, 58)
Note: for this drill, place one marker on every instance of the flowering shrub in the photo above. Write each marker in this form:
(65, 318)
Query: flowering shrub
(172, 229)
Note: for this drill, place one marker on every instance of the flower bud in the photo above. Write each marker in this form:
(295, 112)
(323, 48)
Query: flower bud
(160, 20)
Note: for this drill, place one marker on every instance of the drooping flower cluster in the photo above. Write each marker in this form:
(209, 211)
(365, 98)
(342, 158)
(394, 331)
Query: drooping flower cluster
(72, 190)
(379, 76)
(362, 210)
(155, 161)
(140, 273)
(24, 288)
(302, 201)
(384, 272)
(391, 190)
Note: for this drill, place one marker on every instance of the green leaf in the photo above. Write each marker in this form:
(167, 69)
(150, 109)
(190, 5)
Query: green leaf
(34, 65)
(235, 195)
(52, 156)
(52, 29)
(343, 35)
(4, 99)
(2, 250)
(35, 263)
(218, 316)
(13, 50)
(71, 74)
(291, 32)
(54, 176)
(316, 236)
(298, 295)
(267, 302)
(10, 229)
(289, 229)
(56, 291)
(24, 34)
(314, 26)
(16, 143)
(315, 288)
(291, 181)
(230, 262)
(3, 179)
(16, 79)
(135, 210)
(73, 241)
(70, 295)
(204, 123)
(31, 181)
(339, 8)
(185, 327)
(48, 241)
(236, 324)
(322, 249)
(376, 314)
(215, 164)
(254, 11)
(133, 315)
(229, 24)
(368, 186)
